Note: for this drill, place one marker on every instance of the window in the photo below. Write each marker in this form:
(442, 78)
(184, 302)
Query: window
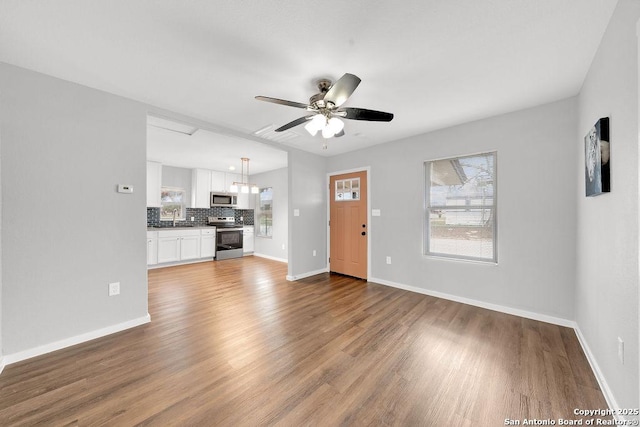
(461, 207)
(265, 213)
(347, 189)
(172, 199)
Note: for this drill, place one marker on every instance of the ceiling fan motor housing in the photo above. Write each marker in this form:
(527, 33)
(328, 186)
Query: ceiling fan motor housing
(317, 100)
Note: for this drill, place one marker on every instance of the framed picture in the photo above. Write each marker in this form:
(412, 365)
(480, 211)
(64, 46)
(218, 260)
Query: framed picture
(597, 154)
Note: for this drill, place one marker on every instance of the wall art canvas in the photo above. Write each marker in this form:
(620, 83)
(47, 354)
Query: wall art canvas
(597, 152)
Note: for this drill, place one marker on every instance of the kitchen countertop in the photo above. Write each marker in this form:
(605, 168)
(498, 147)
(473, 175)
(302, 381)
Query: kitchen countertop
(202, 227)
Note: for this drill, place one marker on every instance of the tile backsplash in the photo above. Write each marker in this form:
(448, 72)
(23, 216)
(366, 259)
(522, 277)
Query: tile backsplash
(200, 216)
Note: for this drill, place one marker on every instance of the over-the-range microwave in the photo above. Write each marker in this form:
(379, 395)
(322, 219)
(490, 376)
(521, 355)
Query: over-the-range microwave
(223, 199)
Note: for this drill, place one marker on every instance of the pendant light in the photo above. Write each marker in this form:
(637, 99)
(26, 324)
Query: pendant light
(243, 186)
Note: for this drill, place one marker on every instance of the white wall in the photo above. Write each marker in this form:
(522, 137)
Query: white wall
(606, 297)
(66, 232)
(307, 232)
(272, 247)
(536, 187)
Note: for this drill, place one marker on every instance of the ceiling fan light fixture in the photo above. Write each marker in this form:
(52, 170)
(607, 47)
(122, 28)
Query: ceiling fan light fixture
(327, 132)
(316, 124)
(335, 124)
(311, 128)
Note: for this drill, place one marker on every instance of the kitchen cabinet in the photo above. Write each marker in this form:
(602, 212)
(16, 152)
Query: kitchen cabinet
(205, 181)
(200, 188)
(168, 249)
(190, 247)
(178, 245)
(218, 181)
(152, 247)
(207, 243)
(247, 239)
(154, 184)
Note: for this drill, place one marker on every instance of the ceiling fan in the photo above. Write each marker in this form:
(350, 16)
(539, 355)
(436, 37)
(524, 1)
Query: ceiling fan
(326, 108)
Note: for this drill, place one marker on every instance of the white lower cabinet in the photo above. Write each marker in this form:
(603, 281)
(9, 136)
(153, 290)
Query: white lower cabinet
(190, 247)
(152, 247)
(173, 246)
(168, 249)
(178, 245)
(208, 243)
(247, 239)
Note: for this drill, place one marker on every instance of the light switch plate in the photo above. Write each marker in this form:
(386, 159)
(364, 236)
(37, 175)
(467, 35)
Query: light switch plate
(296, 212)
(114, 289)
(375, 212)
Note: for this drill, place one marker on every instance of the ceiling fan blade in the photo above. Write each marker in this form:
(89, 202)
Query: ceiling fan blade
(294, 123)
(364, 114)
(341, 90)
(282, 102)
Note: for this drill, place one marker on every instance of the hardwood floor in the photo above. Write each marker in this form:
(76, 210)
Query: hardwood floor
(232, 343)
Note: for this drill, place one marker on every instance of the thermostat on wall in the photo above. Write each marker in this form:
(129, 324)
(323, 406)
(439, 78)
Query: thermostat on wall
(123, 188)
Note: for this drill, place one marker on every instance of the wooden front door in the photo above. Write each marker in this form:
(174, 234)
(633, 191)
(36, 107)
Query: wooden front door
(348, 224)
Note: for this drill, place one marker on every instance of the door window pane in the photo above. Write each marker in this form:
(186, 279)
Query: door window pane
(347, 189)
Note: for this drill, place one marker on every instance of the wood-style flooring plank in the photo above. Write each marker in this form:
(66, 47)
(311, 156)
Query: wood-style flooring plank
(232, 343)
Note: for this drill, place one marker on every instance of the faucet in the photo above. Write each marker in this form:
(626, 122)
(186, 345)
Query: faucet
(175, 212)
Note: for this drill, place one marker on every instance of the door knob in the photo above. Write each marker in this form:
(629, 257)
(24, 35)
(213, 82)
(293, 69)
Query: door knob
(364, 233)
(364, 225)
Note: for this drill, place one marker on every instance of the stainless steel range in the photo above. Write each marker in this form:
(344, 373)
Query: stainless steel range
(228, 237)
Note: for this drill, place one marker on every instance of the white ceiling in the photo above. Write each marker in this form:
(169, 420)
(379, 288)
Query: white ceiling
(432, 63)
(209, 150)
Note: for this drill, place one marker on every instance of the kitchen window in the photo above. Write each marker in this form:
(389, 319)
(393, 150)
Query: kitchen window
(460, 214)
(172, 199)
(265, 213)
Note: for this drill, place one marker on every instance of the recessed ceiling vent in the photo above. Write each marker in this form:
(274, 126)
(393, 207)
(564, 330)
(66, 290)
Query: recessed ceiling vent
(166, 124)
(269, 133)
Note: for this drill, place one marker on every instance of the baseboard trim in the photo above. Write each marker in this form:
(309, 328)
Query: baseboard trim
(602, 382)
(495, 307)
(286, 261)
(78, 339)
(308, 274)
(1, 364)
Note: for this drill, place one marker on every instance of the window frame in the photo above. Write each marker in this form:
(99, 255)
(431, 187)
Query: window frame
(267, 213)
(427, 165)
(183, 205)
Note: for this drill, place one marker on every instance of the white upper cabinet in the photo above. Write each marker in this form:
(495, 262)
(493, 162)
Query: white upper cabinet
(205, 181)
(218, 181)
(154, 184)
(201, 187)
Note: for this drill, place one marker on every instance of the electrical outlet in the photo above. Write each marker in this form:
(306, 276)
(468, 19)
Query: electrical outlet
(621, 350)
(314, 252)
(193, 218)
(114, 289)
(388, 260)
